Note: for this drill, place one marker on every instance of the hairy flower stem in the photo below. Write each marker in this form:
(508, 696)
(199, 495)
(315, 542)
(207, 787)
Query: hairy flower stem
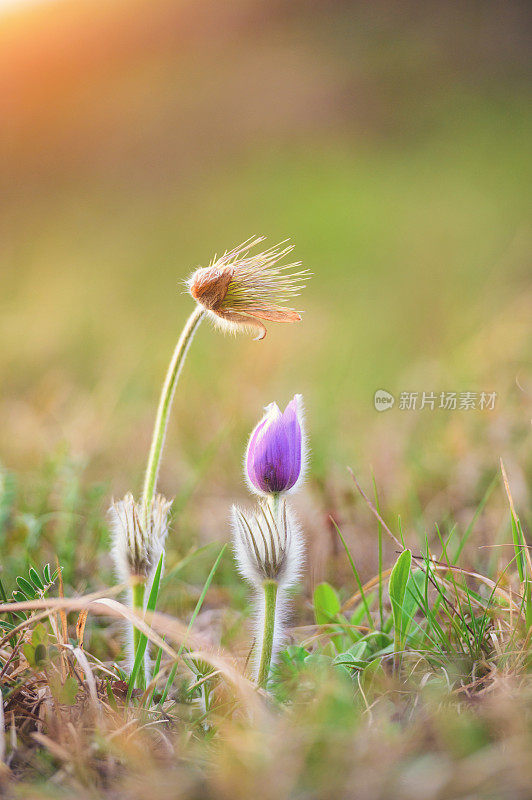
(137, 592)
(270, 598)
(163, 411)
(274, 500)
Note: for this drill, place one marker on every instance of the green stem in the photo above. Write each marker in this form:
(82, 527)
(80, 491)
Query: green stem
(137, 591)
(275, 502)
(165, 404)
(270, 597)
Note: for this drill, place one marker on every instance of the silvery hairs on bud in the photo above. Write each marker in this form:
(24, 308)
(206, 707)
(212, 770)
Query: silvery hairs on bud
(136, 547)
(268, 546)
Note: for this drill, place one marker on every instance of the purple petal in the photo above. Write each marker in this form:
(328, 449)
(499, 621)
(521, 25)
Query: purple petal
(272, 411)
(293, 431)
(274, 453)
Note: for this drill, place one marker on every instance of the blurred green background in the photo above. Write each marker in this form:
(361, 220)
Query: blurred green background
(390, 142)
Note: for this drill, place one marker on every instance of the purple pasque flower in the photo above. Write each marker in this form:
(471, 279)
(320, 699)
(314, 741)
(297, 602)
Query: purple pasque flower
(275, 457)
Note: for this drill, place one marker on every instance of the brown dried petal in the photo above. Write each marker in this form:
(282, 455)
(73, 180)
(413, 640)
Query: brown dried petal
(243, 319)
(209, 286)
(276, 314)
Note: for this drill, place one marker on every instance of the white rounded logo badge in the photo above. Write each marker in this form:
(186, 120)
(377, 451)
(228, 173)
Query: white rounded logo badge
(383, 400)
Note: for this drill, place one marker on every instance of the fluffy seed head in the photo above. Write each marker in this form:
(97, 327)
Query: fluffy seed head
(268, 545)
(137, 547)
(240, 289)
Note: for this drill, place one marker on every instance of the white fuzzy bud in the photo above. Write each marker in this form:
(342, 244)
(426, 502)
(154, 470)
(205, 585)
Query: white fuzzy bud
(137, 547)
(268, 546)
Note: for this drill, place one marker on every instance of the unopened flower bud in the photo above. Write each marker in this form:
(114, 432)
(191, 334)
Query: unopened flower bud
(268, 546)
(276, 451)
(137, 547)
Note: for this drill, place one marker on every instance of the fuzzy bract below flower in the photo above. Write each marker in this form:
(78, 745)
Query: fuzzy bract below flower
(275, 455)
(137, 547)
(240, 289)
(268, 546)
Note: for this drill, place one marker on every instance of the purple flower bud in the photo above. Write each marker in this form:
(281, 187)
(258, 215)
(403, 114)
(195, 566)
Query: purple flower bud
(274, 457)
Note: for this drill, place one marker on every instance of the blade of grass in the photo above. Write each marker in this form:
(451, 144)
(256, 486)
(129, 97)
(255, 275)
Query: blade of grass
(143, 641)
(397, 589)
(355, 573)
(176, 569)
(476, 515)
(195, 613)
(374, 510)
(518, 536)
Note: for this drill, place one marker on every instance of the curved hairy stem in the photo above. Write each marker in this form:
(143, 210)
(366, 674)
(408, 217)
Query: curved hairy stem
(163, 411)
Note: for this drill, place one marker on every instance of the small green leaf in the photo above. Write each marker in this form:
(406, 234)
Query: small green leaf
(69, 691)
(65, 693)
(26, 587)
(110, 696)
(342, 669)
(29, 653)
(413, 595)
(46, 573)
(39, 635)
(371, 674)
(326, 604)
(40, 655)
(397, 588)
(354, 657)
(36, 654)
(36, 579)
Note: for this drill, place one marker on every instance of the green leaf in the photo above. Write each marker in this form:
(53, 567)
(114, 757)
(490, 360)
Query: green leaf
(46, 573)
(413, 596)
(40, 655)
(354, 657)
(36, 579)
(39, 635)
(371, 674)
(110, 696)
(29, 653)
(64, 693)
(326, 603)
(36, 654)
(69, 691)
(26, 587)
(397, 588)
